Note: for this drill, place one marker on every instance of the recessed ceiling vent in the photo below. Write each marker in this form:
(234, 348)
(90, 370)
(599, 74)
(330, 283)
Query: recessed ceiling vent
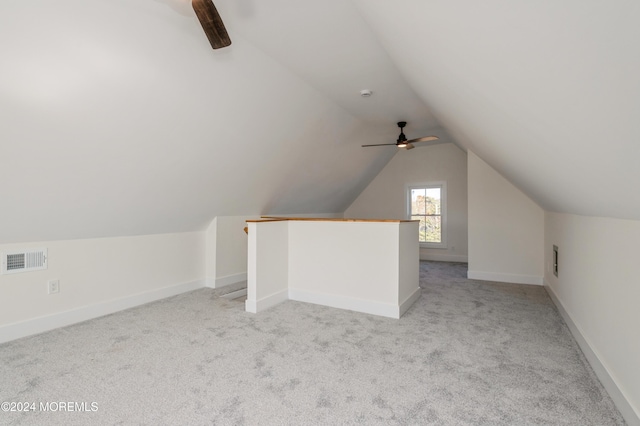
(24, 261)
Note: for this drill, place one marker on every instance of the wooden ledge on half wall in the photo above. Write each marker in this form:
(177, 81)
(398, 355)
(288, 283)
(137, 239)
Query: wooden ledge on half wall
(325, 219)
(320, 219)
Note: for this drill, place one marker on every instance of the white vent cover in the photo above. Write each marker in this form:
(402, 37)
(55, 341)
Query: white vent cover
(24, 260)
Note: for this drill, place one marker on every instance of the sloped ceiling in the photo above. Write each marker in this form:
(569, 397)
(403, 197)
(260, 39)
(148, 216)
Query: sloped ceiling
(547, 92)
(117, 117)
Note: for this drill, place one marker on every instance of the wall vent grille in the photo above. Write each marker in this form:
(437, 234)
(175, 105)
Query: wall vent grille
(24, 261)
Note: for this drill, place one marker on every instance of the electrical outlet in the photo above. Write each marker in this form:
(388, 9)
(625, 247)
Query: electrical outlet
(53, 286)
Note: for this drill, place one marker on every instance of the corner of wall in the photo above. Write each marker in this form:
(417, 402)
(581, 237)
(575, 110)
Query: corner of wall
(210, 253)
(506, 228)
(621, 401)
(596, 272)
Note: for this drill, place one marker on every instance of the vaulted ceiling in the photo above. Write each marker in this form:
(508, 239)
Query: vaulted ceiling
(117, 117)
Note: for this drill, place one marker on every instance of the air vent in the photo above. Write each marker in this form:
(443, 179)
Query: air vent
(24, 261)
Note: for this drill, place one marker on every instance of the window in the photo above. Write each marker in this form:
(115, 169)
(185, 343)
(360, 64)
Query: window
(427, 203)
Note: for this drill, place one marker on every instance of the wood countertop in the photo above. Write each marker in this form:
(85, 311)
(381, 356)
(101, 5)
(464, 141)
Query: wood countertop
(324, 219)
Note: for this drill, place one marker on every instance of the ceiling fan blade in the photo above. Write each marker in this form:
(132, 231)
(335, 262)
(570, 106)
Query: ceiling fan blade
(409, 146)
(380, 144)
(211, 23)
(424, 139)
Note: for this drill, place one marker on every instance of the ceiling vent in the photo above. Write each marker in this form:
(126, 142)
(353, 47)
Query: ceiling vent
(24, 261)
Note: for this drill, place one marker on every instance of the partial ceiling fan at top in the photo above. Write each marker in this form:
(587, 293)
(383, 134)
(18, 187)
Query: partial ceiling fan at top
(402, 141)
(211, 23)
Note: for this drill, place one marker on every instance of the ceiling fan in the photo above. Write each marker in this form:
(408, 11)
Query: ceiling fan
(402, 141)
(211, 23)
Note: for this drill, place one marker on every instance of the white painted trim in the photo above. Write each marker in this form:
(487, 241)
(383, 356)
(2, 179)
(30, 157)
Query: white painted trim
(504, 277)
(630, 414)
(349, 303)
(228, 280)
(445, 257)
(442, 184)
(235, 294)
(404, 306)
(61, 319)
(255, 306)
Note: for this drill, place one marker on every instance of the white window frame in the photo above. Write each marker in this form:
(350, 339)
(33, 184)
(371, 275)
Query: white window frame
(443, 209)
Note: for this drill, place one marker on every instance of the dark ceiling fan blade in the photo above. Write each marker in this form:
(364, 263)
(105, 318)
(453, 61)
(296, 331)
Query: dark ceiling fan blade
(402, 141)
(424, 139)
(211, 23)
(380, 144)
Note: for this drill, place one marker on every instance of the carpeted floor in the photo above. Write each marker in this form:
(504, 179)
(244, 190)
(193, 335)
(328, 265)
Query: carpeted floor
(467, 353)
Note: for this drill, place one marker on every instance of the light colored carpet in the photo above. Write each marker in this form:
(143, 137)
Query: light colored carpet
(467, 353)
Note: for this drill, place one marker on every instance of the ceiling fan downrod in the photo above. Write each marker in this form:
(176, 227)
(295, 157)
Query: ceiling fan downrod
(402, 139)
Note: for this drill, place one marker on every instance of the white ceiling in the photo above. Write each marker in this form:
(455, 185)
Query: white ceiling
(546, 92)
(117, 117)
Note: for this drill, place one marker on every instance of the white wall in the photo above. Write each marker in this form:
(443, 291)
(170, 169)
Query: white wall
(369, 267)
(598, 288)
(506, 228)
(226, 251)
(324, 259)
(210, 259)
(98, 276)
(231, 253)
(268, 265)
(231, 249)
(385, 197)
(409, 257)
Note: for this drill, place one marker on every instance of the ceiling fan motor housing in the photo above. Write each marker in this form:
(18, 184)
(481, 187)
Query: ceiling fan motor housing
(402, 141)
(402, 137)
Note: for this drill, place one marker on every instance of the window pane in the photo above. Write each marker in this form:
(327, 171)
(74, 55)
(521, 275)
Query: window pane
(425, 206)
(432, 229)
(432, 201)
(422, 228)
(418, 198)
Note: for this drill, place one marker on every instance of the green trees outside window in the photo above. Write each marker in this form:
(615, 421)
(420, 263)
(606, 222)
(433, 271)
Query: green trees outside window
(426, 206)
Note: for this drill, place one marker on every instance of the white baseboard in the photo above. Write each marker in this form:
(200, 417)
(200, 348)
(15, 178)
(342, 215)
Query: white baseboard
(61, 319)
(631, 415)
(255, 306)
(504, 278)
(404, 306)
(445, 257)
(340, 302)
(359, 305)
(235, 294)
(226, 280)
